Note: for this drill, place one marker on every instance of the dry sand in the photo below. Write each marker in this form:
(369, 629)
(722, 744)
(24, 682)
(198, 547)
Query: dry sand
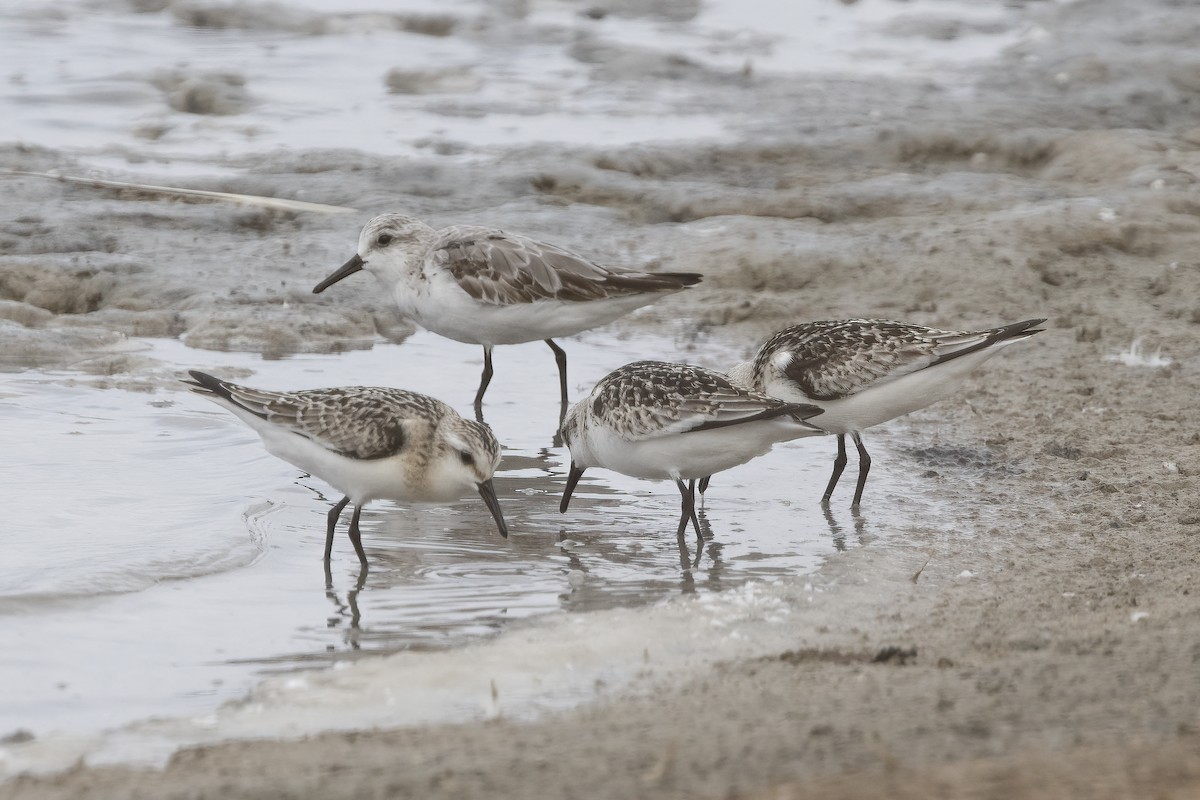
(1065, 185)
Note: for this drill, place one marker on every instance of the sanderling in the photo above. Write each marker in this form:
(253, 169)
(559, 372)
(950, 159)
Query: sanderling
(675, 422)
(862, 372)
(484, 286)
(369, 443)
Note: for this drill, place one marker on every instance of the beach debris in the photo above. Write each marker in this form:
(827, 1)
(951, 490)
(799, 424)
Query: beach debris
(273, 203)
(916, 575)
(1135, 356)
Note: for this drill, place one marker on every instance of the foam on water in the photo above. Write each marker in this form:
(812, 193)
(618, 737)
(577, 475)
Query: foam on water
(184, 564)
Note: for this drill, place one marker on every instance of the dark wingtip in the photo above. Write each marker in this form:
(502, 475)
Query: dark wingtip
(203, 383)
(1028, 327)
(803, 411)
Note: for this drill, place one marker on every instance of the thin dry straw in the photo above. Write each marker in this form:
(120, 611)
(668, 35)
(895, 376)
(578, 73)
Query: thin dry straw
(225, 197)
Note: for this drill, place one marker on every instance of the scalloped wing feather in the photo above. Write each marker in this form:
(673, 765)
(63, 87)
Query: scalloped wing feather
(357, 422)
(504, 269)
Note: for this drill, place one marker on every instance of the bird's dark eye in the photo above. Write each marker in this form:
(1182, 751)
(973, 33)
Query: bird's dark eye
(384, 239)
(466, 457)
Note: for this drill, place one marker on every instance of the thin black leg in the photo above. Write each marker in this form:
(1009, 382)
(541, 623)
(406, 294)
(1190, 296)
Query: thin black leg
(688, 514)
(560, 356)
(839, 464)
(695, 519)
(356, 537)
(864, 466)
(704, 483)
(484, 379)
(334, 513)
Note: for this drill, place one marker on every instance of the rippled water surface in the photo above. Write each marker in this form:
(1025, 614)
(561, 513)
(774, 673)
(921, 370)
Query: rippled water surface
(106, 81)
(158, 560)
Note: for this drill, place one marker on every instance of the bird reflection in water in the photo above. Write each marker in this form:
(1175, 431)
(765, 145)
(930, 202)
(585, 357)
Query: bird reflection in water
(348, 609)
(839, 533)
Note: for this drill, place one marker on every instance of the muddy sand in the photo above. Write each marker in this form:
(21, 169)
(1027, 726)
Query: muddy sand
(1046, 649)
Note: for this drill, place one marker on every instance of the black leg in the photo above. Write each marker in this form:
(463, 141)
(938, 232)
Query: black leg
(864, 466)
(356, 537)
(484, 379)
(688, 514)
(560, 356)
(695, 519)
(334, 513)
(704, 483)
(839, 464)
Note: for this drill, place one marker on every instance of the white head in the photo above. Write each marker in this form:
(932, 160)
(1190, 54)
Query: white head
(385, 247)
(466, 459)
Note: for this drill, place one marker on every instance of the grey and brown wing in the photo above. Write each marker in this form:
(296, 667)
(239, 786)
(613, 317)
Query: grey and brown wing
(648, 399)
(828, 361)
(354, 421)
(505, 269)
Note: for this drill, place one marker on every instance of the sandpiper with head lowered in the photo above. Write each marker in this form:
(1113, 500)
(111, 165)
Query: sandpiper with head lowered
(675, 422)
(369, 443)
(862, 372)
(483, 286)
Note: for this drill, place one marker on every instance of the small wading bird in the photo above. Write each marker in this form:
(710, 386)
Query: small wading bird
(675, 422)
(369, 443)
(484, 286)
(862, 372)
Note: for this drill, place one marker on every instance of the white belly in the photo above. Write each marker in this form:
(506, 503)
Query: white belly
(887, 400)
(445, 309)
(690, 455)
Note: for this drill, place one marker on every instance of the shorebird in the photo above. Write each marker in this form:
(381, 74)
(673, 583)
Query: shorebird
(369, 443)
(484, 286)
(675, 422)
(862, 372)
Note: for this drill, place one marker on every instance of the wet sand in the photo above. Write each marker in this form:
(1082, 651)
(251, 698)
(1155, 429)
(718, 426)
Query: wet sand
(1046, 650)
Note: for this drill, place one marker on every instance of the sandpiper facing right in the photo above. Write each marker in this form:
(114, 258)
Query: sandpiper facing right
(369, 443)
(862, 372)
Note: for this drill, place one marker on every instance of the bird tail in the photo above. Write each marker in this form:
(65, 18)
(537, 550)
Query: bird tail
(1002, 335)
(802, 412)
(637, 282)
(203, 383)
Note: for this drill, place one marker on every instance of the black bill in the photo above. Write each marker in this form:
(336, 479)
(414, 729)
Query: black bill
(488, 492)
(349, 268)
(572, 479)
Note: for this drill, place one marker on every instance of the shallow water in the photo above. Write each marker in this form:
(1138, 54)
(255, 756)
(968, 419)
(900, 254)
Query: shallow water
(181, 561)
(106, 82)
(158, 562)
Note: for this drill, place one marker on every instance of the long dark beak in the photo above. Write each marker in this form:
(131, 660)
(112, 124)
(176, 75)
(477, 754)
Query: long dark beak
(572, 479)
(488, 492)
(346, 270)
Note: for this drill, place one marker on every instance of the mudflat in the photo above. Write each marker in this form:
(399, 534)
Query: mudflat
(1047, 649)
